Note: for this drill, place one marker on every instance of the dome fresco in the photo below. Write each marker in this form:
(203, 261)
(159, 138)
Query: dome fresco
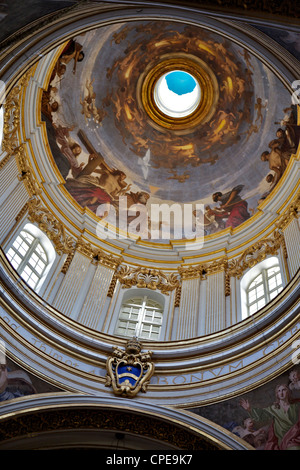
(106, 145)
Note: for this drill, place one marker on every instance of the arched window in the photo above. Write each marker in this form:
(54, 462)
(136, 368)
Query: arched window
(29, 255)
(140, 316)
(261, 284)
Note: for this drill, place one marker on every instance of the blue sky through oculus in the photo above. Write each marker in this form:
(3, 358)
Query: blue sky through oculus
(177, 93)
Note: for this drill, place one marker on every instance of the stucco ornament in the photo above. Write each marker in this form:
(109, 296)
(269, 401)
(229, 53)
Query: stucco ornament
(129, 371)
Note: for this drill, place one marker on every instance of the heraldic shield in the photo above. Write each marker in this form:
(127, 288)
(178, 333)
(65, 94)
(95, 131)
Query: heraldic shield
(129, 371)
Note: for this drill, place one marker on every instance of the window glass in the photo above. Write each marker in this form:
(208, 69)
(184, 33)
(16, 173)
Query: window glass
(28, 257)
(140, 317)
(263, 288)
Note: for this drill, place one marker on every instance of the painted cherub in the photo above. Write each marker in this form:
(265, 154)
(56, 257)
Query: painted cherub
(259, 107)
(294, 377)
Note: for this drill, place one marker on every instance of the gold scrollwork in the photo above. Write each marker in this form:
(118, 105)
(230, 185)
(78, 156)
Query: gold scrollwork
(50, 226)
(112, 286)
(293, 211)
(255, 254)
(25, 171)
(98, 255)
(12, 112)
(146, 277)
(129, 371)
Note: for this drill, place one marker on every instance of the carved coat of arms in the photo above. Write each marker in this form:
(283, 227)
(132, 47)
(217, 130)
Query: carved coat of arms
(129, 371)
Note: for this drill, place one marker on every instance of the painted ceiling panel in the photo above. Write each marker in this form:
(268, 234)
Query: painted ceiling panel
(106, 144)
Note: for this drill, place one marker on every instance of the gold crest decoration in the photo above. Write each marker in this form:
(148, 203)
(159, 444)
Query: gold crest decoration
(129, 371)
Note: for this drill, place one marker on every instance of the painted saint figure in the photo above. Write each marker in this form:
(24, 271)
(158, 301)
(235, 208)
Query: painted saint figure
(233, 206)
(284, 431)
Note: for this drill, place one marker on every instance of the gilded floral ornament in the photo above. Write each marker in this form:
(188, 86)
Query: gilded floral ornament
(149, 278)
(292, 212)
(255, 254)
(98, 255)
(50, 226)
(192, 272)
(129, 371)
(12, 114)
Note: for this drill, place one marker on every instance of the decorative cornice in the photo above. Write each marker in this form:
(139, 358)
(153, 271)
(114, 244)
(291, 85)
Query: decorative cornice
(292, 212)
(98, 255)
(12, 115)
(50, 226)
(146, 277)
(255, 254)
(192, 272)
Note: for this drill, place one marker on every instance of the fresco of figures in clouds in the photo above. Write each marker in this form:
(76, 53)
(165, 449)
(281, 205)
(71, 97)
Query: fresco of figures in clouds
(105, 146)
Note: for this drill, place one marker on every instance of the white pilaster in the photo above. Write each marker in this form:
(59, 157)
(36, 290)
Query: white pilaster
(188, 312)
(11, 208)
(292, 242)
(215, 302)
(70, 290)
(93, 306)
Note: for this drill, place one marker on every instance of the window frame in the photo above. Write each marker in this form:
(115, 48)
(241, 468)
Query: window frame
(141, 321)
(261, 269)
(39, 239)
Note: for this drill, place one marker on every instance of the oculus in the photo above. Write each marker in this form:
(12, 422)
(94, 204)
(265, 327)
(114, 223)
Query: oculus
(177, 93)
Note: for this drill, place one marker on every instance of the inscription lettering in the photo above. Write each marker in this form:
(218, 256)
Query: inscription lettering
(48, 350)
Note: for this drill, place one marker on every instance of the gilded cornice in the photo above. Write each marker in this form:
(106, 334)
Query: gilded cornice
(12, 115)
(149, 278)
(255, 254)
(291, 213)
(217, 266)
(192, 272)
(98, 255)
(50, 226)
